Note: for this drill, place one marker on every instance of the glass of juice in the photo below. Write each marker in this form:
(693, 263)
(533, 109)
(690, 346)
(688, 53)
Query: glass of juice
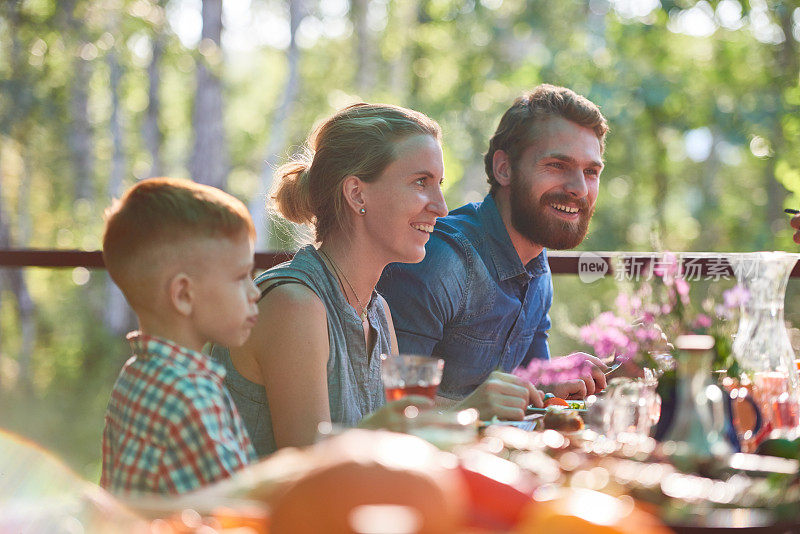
(407, 374)
(773, 392)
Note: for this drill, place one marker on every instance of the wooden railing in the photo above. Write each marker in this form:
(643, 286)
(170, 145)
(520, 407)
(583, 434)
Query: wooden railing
(588, 264)
(94, 259)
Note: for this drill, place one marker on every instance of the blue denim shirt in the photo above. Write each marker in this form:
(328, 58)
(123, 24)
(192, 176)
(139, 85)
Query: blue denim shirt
(471, 300)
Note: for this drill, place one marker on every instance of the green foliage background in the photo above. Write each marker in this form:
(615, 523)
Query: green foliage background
(664, 73)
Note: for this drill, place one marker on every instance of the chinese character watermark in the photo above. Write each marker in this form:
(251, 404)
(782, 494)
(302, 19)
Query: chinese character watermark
(643, 267)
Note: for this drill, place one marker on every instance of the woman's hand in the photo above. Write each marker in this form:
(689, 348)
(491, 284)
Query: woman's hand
(502, 395)
(391, 415)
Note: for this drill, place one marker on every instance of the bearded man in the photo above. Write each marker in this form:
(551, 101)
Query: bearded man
(481, 297)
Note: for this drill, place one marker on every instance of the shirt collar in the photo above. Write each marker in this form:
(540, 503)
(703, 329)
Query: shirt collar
(145, 346)
(505, 257)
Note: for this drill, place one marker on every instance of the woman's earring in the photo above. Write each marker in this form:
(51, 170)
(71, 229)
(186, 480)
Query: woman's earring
(363, 211)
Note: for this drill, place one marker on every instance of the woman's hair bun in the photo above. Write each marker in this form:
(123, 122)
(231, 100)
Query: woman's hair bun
(291, 196)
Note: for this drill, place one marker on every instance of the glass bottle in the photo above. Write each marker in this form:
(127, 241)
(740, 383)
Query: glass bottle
(699, 414)
(762, 346)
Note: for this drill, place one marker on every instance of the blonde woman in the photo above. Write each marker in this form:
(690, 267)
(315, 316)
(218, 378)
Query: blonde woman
(369, 185)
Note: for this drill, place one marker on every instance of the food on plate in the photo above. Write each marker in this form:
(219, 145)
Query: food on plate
(551, 401)
(562, 419)
(555, 401)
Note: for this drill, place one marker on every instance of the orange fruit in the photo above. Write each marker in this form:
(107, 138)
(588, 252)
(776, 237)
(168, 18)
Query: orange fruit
(582, 511)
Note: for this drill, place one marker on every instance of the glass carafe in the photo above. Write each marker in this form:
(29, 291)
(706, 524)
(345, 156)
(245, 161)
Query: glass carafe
(699, 415)
(762, 346)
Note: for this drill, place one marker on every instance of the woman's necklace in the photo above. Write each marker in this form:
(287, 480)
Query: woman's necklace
(336, 271)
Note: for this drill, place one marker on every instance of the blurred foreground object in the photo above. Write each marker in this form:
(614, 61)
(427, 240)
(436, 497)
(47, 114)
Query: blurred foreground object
(38, 493)
(359, 481)
(578, 511)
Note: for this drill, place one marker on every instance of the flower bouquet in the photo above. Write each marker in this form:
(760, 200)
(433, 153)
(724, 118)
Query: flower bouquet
(651, 312)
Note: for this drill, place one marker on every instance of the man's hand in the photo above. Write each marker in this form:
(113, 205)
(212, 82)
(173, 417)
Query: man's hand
(503, 395)
(591, 380)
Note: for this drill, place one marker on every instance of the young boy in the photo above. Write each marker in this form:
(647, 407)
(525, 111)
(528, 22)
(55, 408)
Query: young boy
(182, 253)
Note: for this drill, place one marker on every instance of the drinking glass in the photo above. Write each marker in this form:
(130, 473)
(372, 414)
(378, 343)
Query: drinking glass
(628, 406)
(407, 374)
(762, 346)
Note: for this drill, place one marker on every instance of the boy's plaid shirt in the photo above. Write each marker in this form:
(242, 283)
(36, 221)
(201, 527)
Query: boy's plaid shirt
(171, 425)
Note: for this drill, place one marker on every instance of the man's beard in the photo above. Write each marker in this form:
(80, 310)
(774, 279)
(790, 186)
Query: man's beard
(533, 220)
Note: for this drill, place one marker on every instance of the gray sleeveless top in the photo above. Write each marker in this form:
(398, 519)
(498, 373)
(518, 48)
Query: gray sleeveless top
(354, 381)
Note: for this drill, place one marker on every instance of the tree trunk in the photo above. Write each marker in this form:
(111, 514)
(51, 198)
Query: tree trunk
(660, 174)
(209, 162)
(80, 131)
(118, 163)
(278, 134)
(15, 278)
(5, 242)
(708, 217)
(365, 57)
(24, 223)
(405, 17)
(116, 313)
(415, 51)
(15, 281)
(152, 134)
(27, 322)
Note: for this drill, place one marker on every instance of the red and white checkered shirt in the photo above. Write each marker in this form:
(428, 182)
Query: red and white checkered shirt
(171, 425)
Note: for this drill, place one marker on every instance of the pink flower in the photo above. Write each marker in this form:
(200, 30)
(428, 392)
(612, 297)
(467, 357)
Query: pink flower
(668, 268)
(636, 305)
(623, 302)
(702, 321)
(682, 286)
(645, 291)
(553, 371)
(653, 309)
(735, 297)
(723, 313)
(647, 334)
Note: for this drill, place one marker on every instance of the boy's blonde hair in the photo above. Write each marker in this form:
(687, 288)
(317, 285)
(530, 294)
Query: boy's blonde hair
(161, 213)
